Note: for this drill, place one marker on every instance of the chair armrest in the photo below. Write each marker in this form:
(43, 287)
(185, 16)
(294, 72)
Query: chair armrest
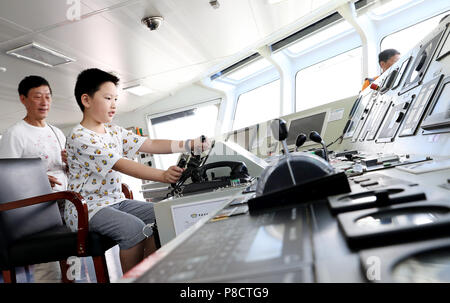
(127, 191)
(75, 198)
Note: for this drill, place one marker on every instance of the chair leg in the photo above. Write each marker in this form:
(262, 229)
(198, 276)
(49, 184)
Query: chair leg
(101, 270)
(156, 236)
(9, 276)
(27, 272)
(64, 268)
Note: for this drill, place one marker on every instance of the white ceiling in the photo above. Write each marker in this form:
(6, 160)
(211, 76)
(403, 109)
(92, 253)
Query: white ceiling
(194, 40)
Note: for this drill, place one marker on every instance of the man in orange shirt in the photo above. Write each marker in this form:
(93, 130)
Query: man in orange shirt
(386, 59)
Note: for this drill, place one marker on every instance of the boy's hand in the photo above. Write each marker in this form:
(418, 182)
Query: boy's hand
(64, 156)
(64, 160)
(199, 146)
(53, 181)
(172, 174)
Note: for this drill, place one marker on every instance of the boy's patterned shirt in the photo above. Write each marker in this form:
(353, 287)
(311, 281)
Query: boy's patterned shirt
(91, 157)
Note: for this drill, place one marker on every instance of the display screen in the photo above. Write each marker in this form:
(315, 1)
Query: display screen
(305, 125)
(419, 106)
(445, 50)
(375, 119)
(362, 118)
(442, 104)
(422, 61)
(401, 72)
(392, 122)
(387, 84)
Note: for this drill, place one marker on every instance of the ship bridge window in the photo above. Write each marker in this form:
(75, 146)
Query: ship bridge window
(330, 80)
(325, 35)
(392, 6)
(257, 105)
(407, 38)
(181, 125)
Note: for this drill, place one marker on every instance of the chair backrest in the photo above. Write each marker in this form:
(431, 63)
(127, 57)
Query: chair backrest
(20, 179)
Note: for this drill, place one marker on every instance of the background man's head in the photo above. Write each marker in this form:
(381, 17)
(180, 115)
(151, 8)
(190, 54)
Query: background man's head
(387, 58)
(36, 95)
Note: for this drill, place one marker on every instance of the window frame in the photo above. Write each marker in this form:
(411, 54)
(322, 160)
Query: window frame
(151, 130)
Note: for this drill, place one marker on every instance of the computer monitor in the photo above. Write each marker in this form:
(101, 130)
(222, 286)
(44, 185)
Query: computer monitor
(305, 125)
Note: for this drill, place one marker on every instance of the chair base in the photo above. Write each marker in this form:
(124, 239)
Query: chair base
(100, 266)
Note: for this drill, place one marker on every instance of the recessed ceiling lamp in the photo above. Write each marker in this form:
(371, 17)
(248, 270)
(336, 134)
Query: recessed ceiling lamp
(39, 54)
(138, 90)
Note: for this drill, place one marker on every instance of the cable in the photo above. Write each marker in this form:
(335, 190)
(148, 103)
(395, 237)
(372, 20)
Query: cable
(341, 137)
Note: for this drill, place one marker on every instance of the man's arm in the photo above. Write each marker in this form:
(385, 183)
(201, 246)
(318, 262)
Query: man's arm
(10, 146)
(141, 171)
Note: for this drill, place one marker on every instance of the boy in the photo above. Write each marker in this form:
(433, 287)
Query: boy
(95, 156)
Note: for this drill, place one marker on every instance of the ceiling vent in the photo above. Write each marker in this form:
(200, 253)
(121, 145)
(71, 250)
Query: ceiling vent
(39, 54)
(138, 90)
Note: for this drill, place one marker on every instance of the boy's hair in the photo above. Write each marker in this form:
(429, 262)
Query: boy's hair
(89, 81)
(30, 82)
(387, 54)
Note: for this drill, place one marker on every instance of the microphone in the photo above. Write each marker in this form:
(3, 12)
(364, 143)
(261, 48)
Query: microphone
(300, 141)
(314, 136)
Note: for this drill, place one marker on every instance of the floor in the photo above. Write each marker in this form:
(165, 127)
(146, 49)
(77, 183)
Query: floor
(87, 272)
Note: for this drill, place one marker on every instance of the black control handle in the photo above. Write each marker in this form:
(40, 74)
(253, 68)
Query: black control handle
(279, 129)
(314, 136)
(301, 139)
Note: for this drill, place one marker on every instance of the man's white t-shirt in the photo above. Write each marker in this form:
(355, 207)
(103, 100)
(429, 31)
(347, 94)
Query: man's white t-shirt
(23, 140)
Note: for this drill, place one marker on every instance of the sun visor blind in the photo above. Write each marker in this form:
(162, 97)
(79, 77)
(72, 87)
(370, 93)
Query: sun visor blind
(314, 27)
(174, 116)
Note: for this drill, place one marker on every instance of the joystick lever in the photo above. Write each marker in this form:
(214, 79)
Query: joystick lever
(280, 132)
(300, 141)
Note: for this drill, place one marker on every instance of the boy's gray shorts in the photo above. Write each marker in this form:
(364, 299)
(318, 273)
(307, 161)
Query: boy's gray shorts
(125, 222)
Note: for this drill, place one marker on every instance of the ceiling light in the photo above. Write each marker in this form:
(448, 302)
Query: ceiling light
(138, 90)
(3, 69)
(39, 54)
